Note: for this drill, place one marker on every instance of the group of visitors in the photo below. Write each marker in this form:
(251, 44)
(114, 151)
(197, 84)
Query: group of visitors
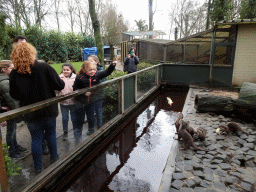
(25, 80)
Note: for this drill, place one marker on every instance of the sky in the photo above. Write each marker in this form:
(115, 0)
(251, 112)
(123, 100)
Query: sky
(138, 9)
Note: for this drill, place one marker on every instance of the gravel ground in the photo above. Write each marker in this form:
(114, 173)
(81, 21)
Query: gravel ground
(225, 164)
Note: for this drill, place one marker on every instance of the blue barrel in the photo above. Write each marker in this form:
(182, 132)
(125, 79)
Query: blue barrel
(89, 51)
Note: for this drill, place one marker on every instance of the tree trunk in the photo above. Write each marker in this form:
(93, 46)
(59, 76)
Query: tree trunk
(209, 103)
(96, 27)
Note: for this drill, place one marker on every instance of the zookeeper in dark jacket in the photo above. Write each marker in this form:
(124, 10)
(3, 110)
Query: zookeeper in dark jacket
(131, 61)
(32, 81)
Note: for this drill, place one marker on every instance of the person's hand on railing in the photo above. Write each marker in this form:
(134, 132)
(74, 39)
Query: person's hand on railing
(3, 124)
(88, 94)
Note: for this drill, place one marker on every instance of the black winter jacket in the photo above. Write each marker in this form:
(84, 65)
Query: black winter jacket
(35, 87)
(130, 64)
(84, 81)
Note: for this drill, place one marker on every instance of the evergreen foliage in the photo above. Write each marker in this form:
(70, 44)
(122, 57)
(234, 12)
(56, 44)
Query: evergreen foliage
(50, 45)
(248, 9)
(220, 10)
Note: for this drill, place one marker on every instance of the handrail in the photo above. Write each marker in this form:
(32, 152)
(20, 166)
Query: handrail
(39, 105)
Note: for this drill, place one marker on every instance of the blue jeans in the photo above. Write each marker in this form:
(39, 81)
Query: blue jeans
(98, 110)
(37, 129)
(79, 114)
(65, 109)
(11, 136)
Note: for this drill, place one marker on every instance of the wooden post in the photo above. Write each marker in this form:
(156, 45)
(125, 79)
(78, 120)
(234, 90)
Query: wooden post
(3, 176)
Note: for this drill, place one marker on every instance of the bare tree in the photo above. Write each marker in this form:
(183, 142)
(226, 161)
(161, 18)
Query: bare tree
(114, 26)
(71, 13)
(96, 27)
(57, 12)
(40, 11)
(187, 16)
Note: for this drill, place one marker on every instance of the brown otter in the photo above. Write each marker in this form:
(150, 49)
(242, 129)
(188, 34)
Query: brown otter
(232, 127)
(177, 124)
(201, 133)
(190, 129)
(186, 137)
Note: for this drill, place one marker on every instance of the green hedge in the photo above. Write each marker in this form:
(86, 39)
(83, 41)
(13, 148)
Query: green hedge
(50, 45)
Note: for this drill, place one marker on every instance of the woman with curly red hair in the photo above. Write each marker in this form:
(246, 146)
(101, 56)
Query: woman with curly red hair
(32, 81)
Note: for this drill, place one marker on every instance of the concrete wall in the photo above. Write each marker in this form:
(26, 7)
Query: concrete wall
(245, 56)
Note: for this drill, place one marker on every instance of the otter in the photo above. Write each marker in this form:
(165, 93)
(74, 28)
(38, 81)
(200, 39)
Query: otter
(177, 124)
(186, 137)
(190, 129)
(232, 127)
(201, 133)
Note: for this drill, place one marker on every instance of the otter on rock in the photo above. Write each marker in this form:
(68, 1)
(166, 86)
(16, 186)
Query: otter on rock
(177, 122)
(232, 127)
(201, 133)
(190, 129)
(186, 137)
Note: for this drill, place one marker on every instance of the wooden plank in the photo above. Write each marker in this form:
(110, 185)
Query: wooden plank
(3, 175)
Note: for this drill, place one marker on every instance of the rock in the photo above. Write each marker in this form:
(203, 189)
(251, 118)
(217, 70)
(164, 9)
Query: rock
(188, 168)
(212, 152)
(251, 152)
(201, 152)
(209, 177)
(238, 175)
(219, 185)
(174, 190)
(220, 173)
(250, 140)
(234, 148)
(208, 156)
(178, 176)
(213, 166)
(225, 166)
(186, 189)
(249, 157)
(212, 148)
(243, 136)
(177, 184)
(249, 164)
(199, 189)
(217, 161)
(246, 186)
(221, 157)
(188, 157)
(220, 137)
(239, 152)
(245, 149)
(206, 184)
(199, 174)
(249, 145)
(235, 188)
(231, 180)
(248, 180)
(198, 167)
(190, 183)
(188, 162)
(197, 180)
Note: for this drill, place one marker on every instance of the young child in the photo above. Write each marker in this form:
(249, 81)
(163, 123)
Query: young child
(98, 104)
(68, 75)
(87, 77)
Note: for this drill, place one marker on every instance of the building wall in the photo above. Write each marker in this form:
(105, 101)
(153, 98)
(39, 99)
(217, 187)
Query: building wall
(245, 56)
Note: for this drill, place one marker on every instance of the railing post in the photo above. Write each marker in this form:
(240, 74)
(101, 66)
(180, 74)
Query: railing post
(121, 96)
(136, 87)
(3, 176)
(157, 76)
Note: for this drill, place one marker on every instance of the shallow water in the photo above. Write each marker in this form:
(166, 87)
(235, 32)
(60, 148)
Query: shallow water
(136, 158)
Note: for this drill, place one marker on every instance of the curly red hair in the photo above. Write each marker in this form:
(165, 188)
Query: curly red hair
(23, 57)
(85, 67)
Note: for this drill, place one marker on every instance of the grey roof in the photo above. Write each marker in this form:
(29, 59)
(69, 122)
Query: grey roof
(236, 21)
(143, 33)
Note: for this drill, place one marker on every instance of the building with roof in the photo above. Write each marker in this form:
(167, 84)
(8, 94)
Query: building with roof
(229, 44)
